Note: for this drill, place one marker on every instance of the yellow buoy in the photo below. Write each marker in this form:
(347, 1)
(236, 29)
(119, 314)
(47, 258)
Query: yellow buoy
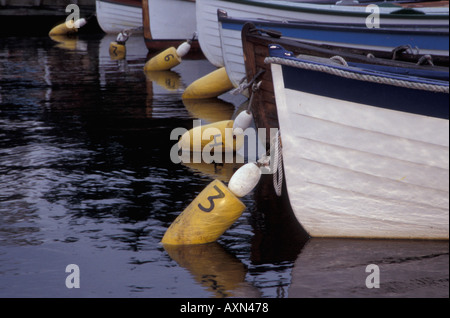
(68, 27)
(208, 216)
(117, 51)
(163, 61)
(214, 136)
(168, 59)
(64, 28)
(212, 85)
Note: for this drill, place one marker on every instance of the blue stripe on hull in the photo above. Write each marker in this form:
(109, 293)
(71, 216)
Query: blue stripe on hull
(379, 95)
(383, 37)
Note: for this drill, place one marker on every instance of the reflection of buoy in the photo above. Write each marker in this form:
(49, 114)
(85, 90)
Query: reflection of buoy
(218, 135)
(65, 42)
(245, 179)
(168, 80)
(222, 171)
(211, 85)
(167, 59)
(219, 271)
(68, 27)
(209, 109)
(68, 42)
(208, 216)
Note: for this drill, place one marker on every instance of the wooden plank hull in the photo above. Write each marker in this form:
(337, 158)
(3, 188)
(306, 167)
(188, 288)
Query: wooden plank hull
(118, 15)
(358, 162)
(168, 23)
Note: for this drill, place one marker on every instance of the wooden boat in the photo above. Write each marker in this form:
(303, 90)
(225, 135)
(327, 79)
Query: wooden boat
(255, 48)
(361, 159)
(115, 16)
(425, 39)
(169, 23)
(207, 22)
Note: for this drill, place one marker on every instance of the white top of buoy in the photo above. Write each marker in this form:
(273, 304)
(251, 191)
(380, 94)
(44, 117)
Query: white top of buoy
(79, 23)
(245, 179)
(183, 49)
(242, 121)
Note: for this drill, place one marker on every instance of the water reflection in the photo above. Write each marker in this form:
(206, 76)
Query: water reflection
(219, 271)
(210, 110)
(86, 178)
(338, 268)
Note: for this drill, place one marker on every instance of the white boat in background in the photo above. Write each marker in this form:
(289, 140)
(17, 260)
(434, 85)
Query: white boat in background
(168, 23)
(365, 153)
(208, 29)
(114, 16)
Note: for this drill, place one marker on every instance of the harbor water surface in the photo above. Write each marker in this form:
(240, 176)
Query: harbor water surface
(86, 178)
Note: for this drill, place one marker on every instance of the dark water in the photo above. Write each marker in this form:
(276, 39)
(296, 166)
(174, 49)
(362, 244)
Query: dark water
(86, 179)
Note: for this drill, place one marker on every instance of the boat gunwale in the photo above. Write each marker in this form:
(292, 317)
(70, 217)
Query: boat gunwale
(358, 70)
(329, 11)
(353, 27)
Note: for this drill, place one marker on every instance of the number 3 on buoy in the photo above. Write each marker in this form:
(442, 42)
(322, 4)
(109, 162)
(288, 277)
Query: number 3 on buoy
(219, 195)
(208, 216)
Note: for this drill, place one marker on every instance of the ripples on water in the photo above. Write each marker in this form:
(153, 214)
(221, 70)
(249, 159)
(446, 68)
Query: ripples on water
(86, 178)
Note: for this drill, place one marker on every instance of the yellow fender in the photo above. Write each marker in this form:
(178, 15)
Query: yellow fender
(218, 135)
(117, 51)
(212, 85)
(169, 58)
(64, 28)
(163, 61)
(211, 213)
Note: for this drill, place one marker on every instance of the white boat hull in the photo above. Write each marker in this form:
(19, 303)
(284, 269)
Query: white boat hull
(208, 29)
(354, 170)
(172, 19)
(232, 55)
(114, 17)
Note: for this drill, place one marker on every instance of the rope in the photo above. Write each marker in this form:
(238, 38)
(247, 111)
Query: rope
(277, 163)
(357, 76)
(277, 171)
